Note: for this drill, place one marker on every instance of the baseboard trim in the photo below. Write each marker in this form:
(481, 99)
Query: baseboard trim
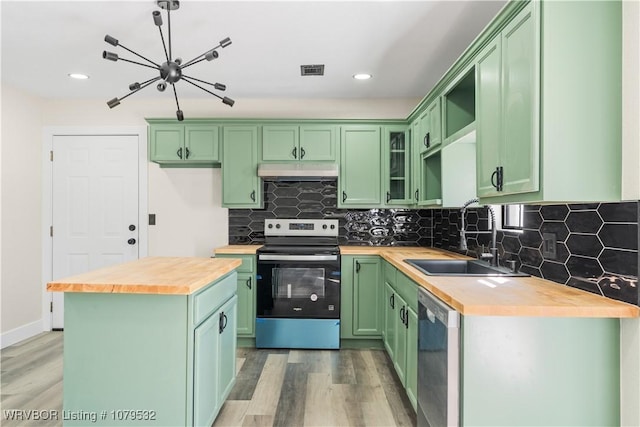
(21, 333)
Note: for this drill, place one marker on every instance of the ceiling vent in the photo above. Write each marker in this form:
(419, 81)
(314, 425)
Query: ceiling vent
(312, 70)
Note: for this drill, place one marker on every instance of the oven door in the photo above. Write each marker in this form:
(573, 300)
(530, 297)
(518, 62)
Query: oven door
(298, 286)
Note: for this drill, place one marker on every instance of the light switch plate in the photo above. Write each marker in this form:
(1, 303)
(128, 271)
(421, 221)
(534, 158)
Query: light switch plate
(549, 246)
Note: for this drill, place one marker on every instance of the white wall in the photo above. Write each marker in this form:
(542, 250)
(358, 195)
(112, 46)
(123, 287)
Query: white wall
(21, 287)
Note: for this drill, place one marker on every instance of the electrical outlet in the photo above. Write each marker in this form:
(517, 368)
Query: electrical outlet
(549, 246)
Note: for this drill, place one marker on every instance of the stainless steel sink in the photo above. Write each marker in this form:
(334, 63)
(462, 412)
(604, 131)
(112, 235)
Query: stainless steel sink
(459, 267)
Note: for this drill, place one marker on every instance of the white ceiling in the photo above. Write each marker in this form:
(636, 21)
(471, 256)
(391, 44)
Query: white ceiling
(406, 45)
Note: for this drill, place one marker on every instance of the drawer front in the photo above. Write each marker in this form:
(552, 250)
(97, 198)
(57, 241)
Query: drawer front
(389, 273)
(212, 297)
(248, 262)
(408, 290)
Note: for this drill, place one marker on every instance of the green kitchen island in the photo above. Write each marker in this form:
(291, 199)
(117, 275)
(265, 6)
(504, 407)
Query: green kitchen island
(149, 342)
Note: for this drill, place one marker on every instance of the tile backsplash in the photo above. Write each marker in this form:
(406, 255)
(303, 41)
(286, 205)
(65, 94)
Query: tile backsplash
(596, 244)
(317, 200)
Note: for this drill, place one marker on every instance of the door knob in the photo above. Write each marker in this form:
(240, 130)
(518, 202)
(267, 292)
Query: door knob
(131, 241)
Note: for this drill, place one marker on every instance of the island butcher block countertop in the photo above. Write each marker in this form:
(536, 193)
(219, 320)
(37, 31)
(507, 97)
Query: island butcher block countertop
(152, 275)
(488, 296)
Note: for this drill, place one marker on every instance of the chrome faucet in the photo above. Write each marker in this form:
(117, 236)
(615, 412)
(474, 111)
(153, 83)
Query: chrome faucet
(493, 250)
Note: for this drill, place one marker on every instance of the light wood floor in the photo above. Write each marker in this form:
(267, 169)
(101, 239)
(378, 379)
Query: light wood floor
(273, 388)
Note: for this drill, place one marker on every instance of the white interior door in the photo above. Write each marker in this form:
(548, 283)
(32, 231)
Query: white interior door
(95, 206)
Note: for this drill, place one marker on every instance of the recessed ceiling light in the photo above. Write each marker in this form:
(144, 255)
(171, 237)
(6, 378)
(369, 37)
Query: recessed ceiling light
(78, 76)
(362, 76)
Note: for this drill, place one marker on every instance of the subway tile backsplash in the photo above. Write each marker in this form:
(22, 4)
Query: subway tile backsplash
(596, 244)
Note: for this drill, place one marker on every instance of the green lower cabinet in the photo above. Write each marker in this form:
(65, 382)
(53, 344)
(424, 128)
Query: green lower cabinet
(389, 332)
(172, 357)
(539, 371)
(400, 351)
(411, 371)
(361, 298)
(246, 318)
(401, 327)
(214, 363)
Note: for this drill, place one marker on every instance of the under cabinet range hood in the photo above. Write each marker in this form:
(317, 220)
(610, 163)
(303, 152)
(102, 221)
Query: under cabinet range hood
(298, 171)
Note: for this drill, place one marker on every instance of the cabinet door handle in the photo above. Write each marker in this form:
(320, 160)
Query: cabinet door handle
(249, 283)
(392, 301)
(187, 152)
(357, 267)
(500, 177)
(221, 322)
(406, 319)
(427, 140)
(253, 195)
(494, 179)
(294, 153)
(344, 197)
(388, 196)
(179, 152)
(302, 153)
(402, 314)
(417, 194)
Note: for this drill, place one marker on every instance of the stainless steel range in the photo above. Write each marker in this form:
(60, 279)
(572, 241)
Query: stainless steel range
(298, 285)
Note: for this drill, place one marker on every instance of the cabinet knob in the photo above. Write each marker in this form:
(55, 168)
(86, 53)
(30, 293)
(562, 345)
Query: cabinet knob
(131, 241)
(132, 227)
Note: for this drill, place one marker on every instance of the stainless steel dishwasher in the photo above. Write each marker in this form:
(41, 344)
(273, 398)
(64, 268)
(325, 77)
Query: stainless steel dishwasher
(438, 362)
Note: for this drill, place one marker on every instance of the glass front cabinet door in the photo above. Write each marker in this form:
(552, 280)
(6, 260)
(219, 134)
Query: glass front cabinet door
(397, 176)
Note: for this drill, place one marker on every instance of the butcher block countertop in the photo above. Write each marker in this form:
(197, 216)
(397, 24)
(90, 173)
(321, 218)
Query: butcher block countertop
(152, 275)
(490, 296)
(238, 249)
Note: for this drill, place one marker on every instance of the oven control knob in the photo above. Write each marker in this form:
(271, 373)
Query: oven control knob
(333, 226)
(277, 225)
(314, 297)
(270, 226)
(324, 226)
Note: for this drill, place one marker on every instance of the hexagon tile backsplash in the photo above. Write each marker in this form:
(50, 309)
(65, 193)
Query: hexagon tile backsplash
(596, 244)
(317, 200)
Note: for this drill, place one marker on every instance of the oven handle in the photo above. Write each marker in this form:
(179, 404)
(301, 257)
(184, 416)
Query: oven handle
(270, 257)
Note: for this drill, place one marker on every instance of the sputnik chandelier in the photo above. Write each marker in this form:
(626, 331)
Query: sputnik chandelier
(171, 71)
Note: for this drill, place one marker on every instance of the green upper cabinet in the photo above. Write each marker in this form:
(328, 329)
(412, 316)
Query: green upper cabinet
(396, 161)
(548, 93)
(360, 167)
(241, 187)
(318, 143)
(308, 143)
(507, 91)
(191, 144)
(428, 130)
